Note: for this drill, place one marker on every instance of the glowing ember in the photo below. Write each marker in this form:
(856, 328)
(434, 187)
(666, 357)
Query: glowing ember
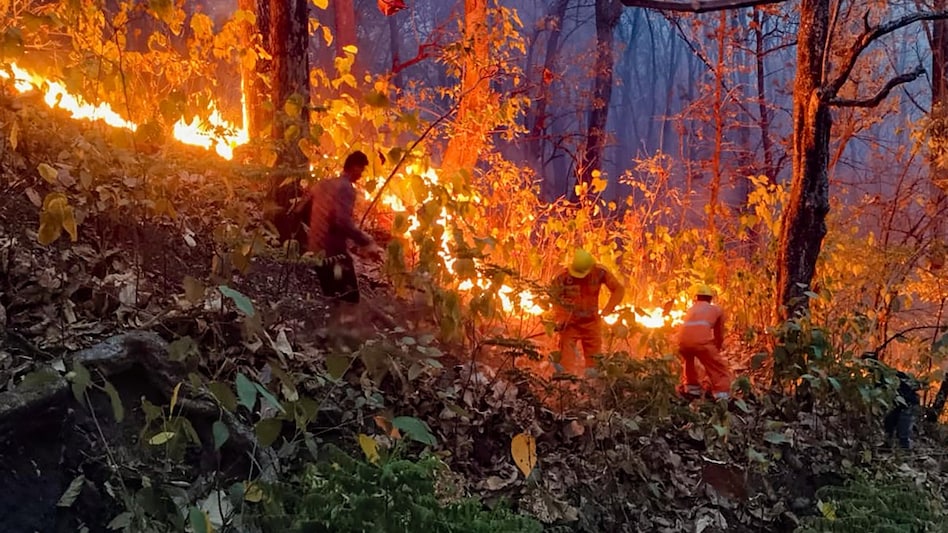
(213, 132)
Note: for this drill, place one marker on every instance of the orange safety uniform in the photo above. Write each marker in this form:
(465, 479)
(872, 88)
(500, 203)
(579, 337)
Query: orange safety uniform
(701, 337)
(576, 311)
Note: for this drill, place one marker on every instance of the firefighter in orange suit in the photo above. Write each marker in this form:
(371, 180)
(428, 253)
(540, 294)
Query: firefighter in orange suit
(575, 298)
(701, 337)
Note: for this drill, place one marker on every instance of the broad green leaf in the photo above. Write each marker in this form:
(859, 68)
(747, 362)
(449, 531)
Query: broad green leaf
(221, 434)
(72, 492)
(270, 398)
(268, 431)
(199, 521)
(80, 381)
(253, 492)
(224, 395)
(246, 391)
(122, 521)
(161, 438)
(337, 365)
(523, 448)
(827, 509)
(118, 410)
(774, 437)
(182, 348)
(242, 302)
(369, 447)
(174, 399)
(415, 429)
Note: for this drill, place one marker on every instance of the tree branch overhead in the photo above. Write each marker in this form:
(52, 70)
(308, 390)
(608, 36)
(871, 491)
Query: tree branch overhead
(697, 6)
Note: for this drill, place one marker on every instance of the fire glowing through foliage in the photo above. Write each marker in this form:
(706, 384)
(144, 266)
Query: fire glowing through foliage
(223, 136)
(214, 131)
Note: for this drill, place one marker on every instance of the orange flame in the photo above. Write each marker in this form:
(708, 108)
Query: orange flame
(214, 132)
(523, 302)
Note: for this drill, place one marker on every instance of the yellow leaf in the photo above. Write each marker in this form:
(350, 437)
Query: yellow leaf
(350, 49)
(69, 223)
(161, 438)
(523, 448)
(321, 4)
(327, 35)
(598, 184)
(48, 173)
(252, 492)
(14, 131)
(174, 398)
(369, 447)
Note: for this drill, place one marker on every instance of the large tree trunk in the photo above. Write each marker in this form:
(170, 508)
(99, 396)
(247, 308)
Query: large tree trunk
(717, 113)
(289, 38)
(471, 130)
(804, 219)
(607, 16)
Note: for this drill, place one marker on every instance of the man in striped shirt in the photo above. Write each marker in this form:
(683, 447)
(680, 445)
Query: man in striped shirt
(331, 227)
(701, 337)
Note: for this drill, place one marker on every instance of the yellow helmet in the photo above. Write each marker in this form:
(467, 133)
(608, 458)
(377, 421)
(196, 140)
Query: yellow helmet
(704, 290)
(582, 264)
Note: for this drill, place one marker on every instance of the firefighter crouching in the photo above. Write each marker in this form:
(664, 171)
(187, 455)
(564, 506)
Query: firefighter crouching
(701, 337)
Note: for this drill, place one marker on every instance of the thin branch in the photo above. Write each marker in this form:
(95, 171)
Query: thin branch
(697, 6)
(886, 89)
(866, 38)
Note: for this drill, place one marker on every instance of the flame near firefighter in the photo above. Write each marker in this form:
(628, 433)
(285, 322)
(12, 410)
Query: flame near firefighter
(223, 136)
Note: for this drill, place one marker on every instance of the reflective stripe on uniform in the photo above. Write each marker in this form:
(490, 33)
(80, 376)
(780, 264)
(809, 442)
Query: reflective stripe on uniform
(697, 323)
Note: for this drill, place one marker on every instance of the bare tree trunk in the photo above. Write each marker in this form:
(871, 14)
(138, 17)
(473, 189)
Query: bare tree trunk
(804, 219)
(763, 119)
(539, 118)
(345, 19)
(607, 16)
(471, 134)
(717, 113)
(394, 45)
(937, 169)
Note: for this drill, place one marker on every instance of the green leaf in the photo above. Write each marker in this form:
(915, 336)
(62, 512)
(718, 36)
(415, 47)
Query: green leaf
(268, 430)
(416, 430)
(199, 521)
(337, 365)
(118, 410)
(161, 438)
(224, 395)
(72, 492)
(182, 348)
(80, 381)
(246, 391)
(270, 398)
(242, 302)
(774, 437)
(221, 434)
(122, 521)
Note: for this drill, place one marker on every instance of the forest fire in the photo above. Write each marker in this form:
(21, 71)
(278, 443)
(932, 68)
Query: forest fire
(214, 131)
(223, 136)
(525, 301)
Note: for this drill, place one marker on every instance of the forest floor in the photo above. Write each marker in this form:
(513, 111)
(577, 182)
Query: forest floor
(614, 453)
